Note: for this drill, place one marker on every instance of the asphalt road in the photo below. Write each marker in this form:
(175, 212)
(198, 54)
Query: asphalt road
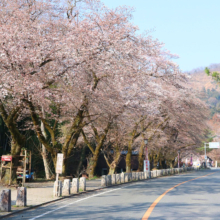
(196, 199)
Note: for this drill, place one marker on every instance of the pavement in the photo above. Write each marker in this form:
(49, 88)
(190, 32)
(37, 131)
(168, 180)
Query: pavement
(193, 195)
(42, 192)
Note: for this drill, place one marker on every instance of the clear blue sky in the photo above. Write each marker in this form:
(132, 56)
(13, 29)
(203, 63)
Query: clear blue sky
(189, 28)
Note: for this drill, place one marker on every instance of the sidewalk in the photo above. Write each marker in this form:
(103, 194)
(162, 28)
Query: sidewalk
(38, 193)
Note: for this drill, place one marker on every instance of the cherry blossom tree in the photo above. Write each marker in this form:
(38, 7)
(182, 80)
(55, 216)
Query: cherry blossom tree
(86, 66)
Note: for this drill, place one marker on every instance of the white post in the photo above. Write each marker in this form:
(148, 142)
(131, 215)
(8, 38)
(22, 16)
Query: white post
(103, 181)
(57, 177)
(5, 200)
(109, 180)
(75, 185)
(82, 184)
(126, 177)
(21, 196)
(66, 187)
(118, 178)
(122, 177)
(57, 190)
(113, 179)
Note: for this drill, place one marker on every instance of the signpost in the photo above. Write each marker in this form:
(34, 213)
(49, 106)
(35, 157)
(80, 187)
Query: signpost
(59, 166)
(214, 145)
(146, 165)
(6, 158)
(146, 161)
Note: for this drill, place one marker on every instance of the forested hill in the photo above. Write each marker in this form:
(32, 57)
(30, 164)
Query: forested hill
(199, 80)
(209, 93)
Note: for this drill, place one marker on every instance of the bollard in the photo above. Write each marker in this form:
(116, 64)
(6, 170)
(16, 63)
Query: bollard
(151, 174)
(122, 177)
(145, 175)
(118, 179)
(103, 181)
(21, 196)
(133, 176)
(66, 187)
(75, 185)
(109, 180)
(57, 189)
(82, 184)
(158, 172)
(126, 177)
(5, 200)
(113, 179)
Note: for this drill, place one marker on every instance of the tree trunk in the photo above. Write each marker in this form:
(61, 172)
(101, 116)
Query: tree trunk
(44, 151)
(64, 167)
(6, 173)
(141, 157)
(46, 165)
(18, 140)
(111, 170)
(82, 158)
(155, 160)
(128, 158)
(92, 165)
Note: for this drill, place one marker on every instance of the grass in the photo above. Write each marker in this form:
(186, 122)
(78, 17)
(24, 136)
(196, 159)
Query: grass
(94, 178)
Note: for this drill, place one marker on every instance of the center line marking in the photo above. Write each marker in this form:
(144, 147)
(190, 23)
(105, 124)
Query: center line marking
(151, 208)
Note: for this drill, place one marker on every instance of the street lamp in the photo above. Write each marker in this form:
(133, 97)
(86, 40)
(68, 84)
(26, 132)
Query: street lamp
(145, 141)
(178, 158)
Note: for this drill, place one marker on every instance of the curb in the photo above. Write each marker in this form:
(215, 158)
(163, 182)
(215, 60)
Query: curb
(81, 193)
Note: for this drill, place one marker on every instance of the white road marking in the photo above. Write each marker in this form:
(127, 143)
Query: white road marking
(73, 203)
(132, 183)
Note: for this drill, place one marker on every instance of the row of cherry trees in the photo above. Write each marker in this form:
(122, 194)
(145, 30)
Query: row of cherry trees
(81, 73)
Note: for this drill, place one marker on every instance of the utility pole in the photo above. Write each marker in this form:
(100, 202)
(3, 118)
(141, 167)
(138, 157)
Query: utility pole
(205, 154)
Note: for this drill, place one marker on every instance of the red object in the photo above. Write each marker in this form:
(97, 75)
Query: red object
(146, 165)
(6, 158)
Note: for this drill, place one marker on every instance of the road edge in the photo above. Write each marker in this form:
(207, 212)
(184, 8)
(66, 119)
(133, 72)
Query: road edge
(81, 193)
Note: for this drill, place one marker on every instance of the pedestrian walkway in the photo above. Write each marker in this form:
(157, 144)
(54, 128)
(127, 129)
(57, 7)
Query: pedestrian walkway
(42, 192)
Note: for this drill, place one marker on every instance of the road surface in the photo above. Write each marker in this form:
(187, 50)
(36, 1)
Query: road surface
(194, 195)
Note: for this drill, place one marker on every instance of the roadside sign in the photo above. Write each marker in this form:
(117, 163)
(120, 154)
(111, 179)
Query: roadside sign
(214, 145)
(6, 158)
(146, 165)
(59, 165)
